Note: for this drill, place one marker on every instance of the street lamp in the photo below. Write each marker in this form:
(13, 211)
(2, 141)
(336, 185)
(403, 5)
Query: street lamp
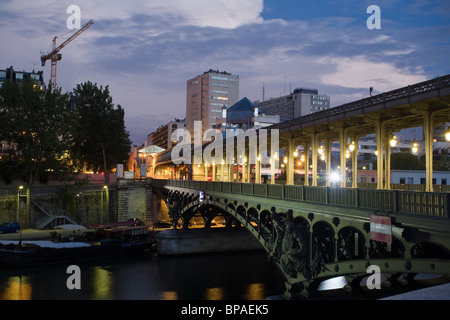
(415, 147)
(447, 134)
(352, 146)
(393, 141)
(105, 188)
(18, 202)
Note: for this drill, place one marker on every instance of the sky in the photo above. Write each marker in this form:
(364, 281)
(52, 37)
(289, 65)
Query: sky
(146, 50)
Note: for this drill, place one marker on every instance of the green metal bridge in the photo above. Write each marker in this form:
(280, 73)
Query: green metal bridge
(315, 233)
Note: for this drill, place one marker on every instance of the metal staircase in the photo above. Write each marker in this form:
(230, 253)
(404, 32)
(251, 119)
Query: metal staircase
(50, 216)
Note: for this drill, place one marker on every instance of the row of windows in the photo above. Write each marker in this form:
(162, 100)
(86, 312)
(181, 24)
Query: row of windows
(219, 104)
(219, 91)
(219, 85)
(223, 78)
(219, 98)
(410, 180)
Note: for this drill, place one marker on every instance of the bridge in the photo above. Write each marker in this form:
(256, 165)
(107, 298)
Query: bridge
(314, 232)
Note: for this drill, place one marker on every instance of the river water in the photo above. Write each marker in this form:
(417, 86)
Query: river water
(225, 276)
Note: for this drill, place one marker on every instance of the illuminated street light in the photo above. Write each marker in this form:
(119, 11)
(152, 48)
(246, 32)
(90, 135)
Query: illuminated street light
(18, 202)
(335, 177)
(393, 141)
(352, 146)
(415, 147)
(295, 153)
(321, 151)
(347, 154)
(447, 134)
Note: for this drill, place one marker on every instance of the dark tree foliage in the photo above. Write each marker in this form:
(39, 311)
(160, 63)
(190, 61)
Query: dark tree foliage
(100, 139)
(34, 128)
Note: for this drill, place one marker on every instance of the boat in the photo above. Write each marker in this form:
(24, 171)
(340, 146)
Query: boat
(108, 241)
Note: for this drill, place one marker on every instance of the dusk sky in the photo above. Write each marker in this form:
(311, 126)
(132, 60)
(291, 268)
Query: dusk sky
(146, 50)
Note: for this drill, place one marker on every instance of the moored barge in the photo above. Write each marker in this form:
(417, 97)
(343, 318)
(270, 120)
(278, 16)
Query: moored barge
(108, 241)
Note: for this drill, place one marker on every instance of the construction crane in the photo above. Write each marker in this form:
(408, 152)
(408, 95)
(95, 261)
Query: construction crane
(55, 56)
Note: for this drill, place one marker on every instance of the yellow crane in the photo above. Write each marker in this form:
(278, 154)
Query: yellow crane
(55, 56)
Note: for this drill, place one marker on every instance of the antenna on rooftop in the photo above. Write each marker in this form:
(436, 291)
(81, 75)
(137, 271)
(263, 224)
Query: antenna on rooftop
(264, 92)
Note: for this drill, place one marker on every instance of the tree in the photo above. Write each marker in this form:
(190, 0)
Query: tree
(405, 160)
(100, 139)
(34, 124)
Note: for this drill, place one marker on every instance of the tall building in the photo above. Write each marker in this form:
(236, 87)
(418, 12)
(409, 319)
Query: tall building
(299, 103)
(206, 95)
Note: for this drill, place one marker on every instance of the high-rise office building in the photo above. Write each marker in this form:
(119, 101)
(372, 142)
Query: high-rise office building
(206, 95)
(299, 103)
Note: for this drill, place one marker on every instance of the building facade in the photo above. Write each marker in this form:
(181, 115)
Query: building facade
(19, 76)
(299, 103)
(162, 137)
(245, 115)
(206, 95)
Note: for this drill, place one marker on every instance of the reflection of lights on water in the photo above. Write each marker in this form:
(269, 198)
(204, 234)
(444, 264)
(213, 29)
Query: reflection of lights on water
(333, 283)
(169, 295)
(102, 282)
(255, 291)
(18, 288)
(214, 294)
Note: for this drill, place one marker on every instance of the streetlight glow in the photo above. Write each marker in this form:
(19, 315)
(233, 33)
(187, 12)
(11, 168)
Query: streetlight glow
(415, 147)
(393, 141)
(352, 146)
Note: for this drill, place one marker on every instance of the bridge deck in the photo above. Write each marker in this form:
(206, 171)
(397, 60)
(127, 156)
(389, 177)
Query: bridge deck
(429, 204)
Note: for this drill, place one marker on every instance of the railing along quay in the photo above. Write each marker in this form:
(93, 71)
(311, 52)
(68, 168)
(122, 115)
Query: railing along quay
(433, 204)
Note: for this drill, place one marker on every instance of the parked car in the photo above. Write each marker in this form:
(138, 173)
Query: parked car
(10, 227)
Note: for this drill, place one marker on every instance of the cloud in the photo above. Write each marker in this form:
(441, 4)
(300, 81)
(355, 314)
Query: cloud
(360, 72)
(147, 50)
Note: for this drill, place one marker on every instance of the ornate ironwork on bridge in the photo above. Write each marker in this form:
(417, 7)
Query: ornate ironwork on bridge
(315, 233)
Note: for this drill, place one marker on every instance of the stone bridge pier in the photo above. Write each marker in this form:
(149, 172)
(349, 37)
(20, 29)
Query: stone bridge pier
(136, 199)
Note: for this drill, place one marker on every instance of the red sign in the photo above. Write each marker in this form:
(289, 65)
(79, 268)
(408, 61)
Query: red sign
(380, 228)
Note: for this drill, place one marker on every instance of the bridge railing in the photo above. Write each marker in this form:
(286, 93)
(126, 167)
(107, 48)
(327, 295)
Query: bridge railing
(436, 204)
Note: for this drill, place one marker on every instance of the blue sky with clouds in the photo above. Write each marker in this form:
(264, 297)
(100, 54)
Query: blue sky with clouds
(146, 50)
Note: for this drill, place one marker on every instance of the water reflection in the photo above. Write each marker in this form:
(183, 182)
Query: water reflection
(102, 284)
(255, 291)
(214, 294)
(332, 284)
(169, 295)
(150, 277)
(17, 288)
